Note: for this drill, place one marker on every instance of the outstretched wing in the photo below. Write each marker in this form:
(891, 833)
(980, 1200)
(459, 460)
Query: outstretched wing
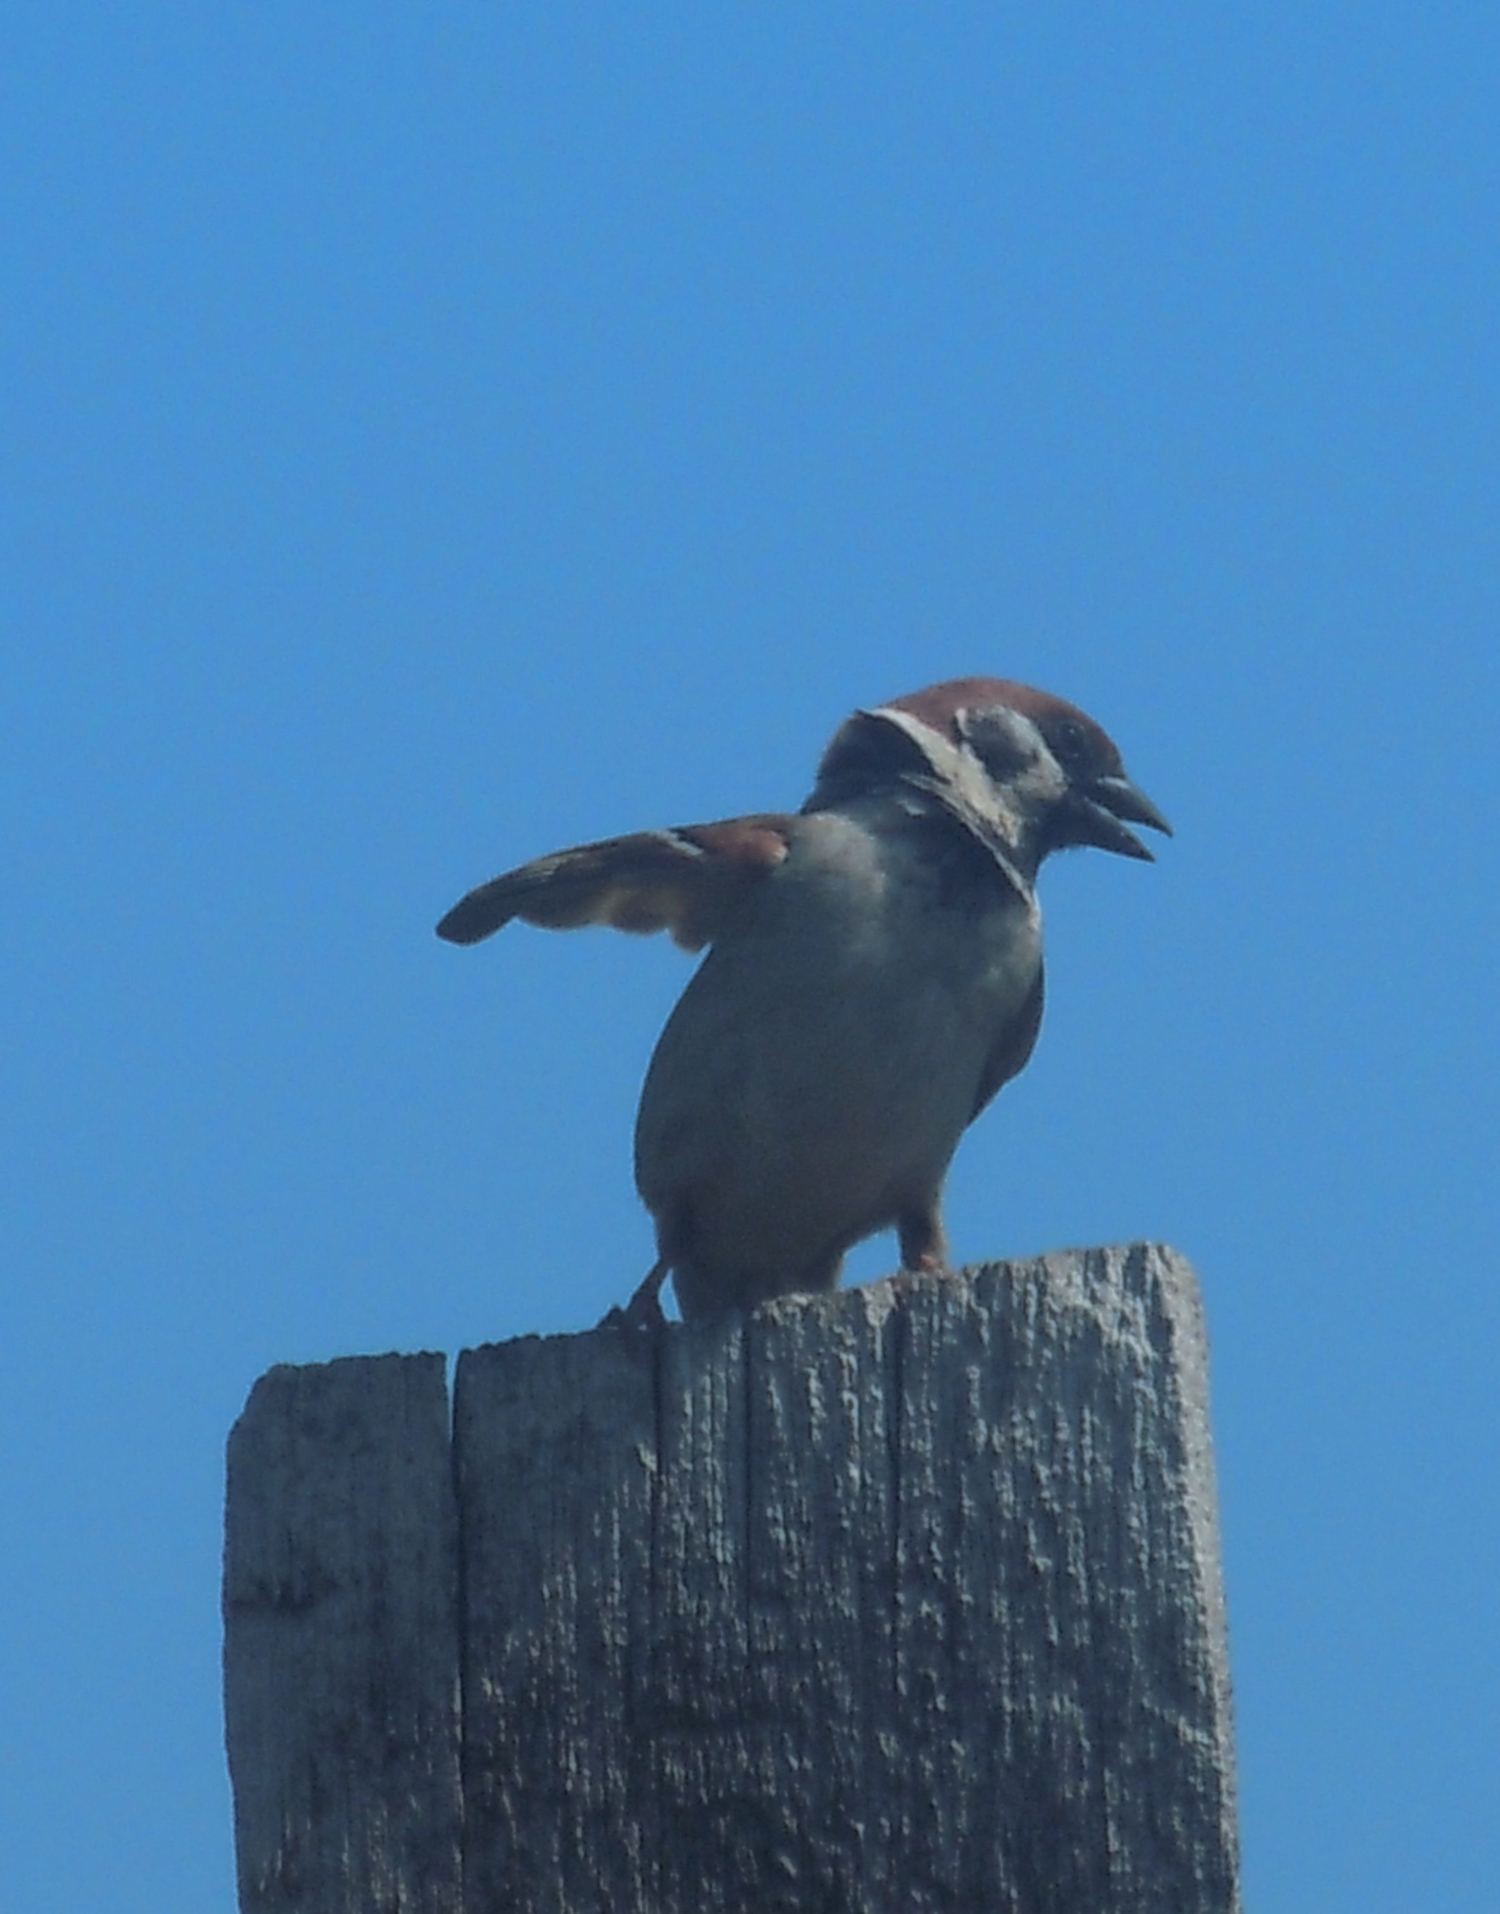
(1011, 1054)
(688, 881)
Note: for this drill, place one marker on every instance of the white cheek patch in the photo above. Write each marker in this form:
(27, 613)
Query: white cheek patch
(966, 787)
(1005, 742)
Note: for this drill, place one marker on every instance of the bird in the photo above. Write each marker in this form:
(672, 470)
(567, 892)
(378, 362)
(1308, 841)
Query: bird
(873, 976)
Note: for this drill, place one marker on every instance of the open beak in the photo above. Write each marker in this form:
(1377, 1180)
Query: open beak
(1107, 804)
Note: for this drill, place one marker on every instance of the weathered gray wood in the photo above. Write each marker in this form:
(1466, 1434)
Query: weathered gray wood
(556, 1443)
(899, 1600)
(341, 1641)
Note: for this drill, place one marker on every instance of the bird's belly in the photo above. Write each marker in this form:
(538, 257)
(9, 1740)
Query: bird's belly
(792, 1109)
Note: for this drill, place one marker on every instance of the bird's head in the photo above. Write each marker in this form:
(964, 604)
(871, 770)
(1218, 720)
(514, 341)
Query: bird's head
(1026, 772)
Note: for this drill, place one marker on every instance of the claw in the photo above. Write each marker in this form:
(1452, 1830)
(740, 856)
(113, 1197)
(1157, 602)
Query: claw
(644, 1310)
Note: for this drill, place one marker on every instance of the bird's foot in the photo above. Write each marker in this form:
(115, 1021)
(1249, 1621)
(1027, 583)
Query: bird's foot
(919, 1269)
(644, 1311)
(924, 1246)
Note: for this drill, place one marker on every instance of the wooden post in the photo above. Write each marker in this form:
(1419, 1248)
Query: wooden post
(341, 1641)
(901, 1600)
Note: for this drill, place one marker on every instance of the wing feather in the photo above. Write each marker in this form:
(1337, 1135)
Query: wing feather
(688, 881)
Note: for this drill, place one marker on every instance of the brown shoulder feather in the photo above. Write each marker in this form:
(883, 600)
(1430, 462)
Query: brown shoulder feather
(688, 881)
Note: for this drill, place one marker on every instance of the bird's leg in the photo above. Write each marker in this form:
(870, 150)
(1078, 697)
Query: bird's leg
(644, 1310)
(924, 1246)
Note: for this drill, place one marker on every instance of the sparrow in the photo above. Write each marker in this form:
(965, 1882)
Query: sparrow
(873, 977)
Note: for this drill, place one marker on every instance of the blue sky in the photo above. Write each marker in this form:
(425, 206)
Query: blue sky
(435, 435)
